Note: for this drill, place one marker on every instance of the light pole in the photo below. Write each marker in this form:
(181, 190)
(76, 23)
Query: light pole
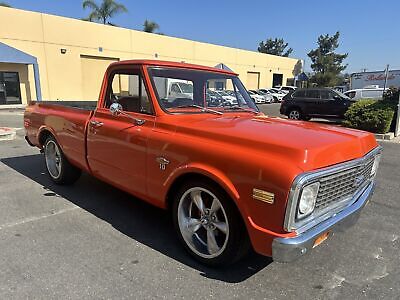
(397, 130)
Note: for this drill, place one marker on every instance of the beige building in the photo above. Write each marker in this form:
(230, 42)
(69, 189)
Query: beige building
(56, 58)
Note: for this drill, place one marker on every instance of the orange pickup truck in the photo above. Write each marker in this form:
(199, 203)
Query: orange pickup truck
(232, 177)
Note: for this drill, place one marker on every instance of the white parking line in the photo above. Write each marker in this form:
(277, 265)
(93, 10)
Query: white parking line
(33, 219)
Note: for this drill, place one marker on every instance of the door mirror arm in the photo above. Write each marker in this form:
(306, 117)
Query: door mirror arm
(116, 110)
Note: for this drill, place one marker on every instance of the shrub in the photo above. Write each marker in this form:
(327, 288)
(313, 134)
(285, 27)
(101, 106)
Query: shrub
(370, 115)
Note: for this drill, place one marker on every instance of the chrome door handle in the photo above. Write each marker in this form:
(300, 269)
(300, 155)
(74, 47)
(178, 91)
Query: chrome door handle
(139, 122)
(96, 124)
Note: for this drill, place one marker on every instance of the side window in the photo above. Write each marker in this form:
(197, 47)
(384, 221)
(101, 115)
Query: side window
(299, 94)
(326, 95)
(350, 94)
(127, 88)
(312, 94)
(175, 88)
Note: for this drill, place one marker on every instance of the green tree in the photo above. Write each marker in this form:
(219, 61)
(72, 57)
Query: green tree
(106, 10)
(275, 47)
(150, 26)
(5, 4)
(326, 64)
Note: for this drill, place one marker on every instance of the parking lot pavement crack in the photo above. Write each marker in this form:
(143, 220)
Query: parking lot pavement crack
(37, 218)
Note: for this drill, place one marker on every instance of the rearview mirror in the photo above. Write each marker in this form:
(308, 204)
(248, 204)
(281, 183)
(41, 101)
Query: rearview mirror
(115, 109)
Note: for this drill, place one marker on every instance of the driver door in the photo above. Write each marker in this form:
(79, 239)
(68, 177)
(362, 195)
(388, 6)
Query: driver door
(117, 145)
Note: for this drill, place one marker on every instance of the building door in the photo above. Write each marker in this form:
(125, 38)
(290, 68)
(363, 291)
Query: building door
(277, 80)
(253, 80)
(93, 69)
(10, 92)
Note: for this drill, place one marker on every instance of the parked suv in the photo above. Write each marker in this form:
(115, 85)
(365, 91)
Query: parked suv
(303, 104)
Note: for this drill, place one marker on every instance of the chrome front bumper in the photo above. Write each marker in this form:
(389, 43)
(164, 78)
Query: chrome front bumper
(289, 249)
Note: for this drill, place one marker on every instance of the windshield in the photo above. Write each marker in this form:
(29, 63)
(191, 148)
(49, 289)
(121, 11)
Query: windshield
(199, 90)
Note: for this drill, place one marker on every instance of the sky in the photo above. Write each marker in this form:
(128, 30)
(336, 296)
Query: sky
(369, 30)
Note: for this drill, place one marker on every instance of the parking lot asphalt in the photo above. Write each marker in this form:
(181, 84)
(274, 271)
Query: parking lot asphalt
(90, 240)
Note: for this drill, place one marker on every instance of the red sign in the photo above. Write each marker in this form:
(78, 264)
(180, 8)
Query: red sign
(381, 76)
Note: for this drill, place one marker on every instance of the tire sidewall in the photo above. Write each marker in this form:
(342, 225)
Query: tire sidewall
(62, 159)
(236, 229)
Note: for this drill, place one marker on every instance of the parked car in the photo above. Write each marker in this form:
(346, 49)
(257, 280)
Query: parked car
(231, 177)
(277, 95)
(303, 104)
(267, 98)
(229, 99)
(366, 93)
(258, 99)
(286, 88)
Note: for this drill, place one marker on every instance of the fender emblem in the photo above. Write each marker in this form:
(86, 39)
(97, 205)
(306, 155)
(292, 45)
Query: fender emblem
(163, 162)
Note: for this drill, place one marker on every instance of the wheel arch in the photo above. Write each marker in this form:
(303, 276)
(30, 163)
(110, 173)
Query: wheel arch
(44, 133)
(196, 172)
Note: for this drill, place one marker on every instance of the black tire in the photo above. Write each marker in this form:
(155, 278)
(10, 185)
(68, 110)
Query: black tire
(236, 243)
(295, 114)
(306, 118)
(60, 170)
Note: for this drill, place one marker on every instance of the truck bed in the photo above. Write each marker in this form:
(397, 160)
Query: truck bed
(67, 120)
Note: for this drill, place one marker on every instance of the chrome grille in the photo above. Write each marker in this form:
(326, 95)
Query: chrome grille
(343, 185)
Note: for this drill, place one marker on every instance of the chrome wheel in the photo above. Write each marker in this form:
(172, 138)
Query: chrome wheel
(52, 155)
(294, 115)
(203, 222)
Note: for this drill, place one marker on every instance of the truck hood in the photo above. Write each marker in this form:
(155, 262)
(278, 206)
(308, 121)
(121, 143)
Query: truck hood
(309, 145)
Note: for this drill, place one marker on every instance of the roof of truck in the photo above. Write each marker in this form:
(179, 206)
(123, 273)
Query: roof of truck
(162, 63)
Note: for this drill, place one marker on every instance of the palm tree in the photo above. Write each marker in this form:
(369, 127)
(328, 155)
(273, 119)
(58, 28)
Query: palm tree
(150, 26)
(106, 10)
(5, 4)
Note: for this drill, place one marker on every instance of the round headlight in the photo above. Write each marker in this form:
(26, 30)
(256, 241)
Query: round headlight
(307, 199)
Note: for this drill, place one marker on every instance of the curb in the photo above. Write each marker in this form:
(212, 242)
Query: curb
(384, 136)
(7, 134)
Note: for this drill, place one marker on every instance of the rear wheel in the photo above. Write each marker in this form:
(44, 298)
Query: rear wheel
(58, 167)
(295, 114)
(209, 225)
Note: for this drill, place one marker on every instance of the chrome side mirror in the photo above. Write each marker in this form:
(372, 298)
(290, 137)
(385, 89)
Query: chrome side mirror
(115, 109)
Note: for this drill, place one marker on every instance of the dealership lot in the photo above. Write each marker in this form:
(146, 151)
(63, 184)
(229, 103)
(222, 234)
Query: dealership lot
(91, 240)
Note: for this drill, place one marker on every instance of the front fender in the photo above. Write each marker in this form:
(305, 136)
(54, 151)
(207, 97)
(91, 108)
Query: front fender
(206, 170)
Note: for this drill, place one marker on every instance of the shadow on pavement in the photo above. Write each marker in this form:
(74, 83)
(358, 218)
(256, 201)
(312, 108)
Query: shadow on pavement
(132, 217)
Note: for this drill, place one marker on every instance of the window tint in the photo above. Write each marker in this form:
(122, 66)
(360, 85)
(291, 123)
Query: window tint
(299, 94)
(313, 94)
(127, 88)
(327, 95)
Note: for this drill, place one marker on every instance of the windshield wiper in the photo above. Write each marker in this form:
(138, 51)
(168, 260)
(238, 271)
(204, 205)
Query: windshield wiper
(203, 109)
(237, 107)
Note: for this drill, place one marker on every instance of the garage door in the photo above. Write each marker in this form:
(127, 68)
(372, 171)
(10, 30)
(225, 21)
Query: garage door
(253, 80)
(93, 68)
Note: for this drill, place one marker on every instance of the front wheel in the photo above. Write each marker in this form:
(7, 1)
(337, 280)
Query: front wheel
(209, 225)
(58, 167)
